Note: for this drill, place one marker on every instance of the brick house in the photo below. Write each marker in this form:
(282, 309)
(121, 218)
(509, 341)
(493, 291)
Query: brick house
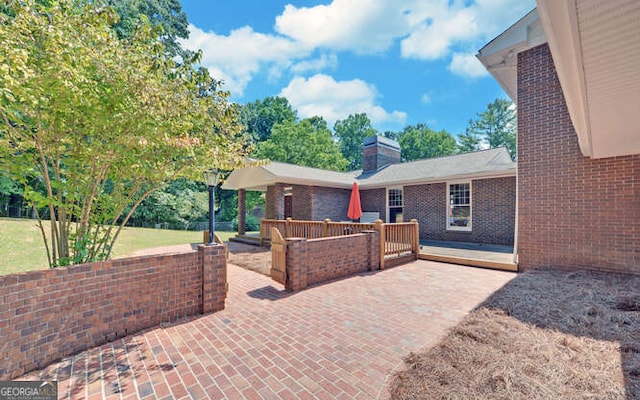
(466, 197)
(572, 69)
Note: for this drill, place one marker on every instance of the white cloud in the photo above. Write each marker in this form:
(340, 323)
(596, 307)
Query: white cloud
(361, 26)
(236, 58)
(333, 100)
(467, 65)
(321, 63)
(447, 24)
(425, 98)
(434, 38)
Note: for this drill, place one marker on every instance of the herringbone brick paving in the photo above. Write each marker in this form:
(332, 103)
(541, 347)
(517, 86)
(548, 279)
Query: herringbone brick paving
(340, 340)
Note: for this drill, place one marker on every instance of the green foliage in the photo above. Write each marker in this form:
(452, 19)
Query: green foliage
(228, 200)
(351, 133)
(497, 125)
(260, 116)
(419, 141)
(164, 14)
(100, 123)
(469, 141)
(308, 143)
(252, 223)
(181, 202)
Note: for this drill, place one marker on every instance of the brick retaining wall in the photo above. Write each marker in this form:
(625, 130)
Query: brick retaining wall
(50, 314)
(315, 261)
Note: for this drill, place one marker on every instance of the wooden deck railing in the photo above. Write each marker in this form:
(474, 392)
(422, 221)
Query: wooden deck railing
(398, 241)
(265, 229)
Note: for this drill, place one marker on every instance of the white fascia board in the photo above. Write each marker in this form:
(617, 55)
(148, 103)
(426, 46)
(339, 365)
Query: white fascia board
(560, 22)
(499, 56)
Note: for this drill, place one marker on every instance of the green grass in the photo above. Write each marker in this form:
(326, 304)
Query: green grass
(22, 248)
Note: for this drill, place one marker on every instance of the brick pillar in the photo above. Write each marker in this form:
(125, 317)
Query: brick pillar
(242, 211)
(373, 248)
(296, 264)
(214, 276)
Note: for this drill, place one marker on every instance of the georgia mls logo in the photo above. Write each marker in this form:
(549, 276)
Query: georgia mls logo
(28, 390)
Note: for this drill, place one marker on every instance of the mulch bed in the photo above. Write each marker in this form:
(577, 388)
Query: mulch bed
(545, 335)
(253, 258)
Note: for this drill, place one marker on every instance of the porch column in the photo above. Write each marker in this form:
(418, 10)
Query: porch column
(242, 211)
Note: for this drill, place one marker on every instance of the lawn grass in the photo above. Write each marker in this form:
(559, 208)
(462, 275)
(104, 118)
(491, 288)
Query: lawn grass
(22, 248)
(545, 335)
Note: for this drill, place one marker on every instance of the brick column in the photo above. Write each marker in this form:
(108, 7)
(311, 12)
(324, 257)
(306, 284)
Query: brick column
(214, 276)
(242, 211)
(296, 264)
(373, 249)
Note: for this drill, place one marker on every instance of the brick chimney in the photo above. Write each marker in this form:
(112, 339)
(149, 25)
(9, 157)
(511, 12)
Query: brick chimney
(378, 152)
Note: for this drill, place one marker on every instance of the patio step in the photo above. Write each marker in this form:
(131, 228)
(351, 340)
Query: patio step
(252, 240)
(472, 262)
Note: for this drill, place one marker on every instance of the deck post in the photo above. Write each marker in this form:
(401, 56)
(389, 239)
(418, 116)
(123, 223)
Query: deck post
(287, 227)
(382, 238)
(415, 244)
(325, 227)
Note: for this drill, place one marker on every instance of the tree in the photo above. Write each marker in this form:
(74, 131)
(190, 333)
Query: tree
(469, 141)
(260, 116)
(181, 202)
(350, 133)
(307, 143)
(164, 14)
(100, 123)
(497, 125)
(419, 141)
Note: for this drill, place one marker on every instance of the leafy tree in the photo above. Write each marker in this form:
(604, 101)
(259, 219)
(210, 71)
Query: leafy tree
(469, 141)
(350, 133)
(260, 116)
(165, 14)
(497, 125)
(419, 141)
(307, 143)
(181, 202)
(101, 123)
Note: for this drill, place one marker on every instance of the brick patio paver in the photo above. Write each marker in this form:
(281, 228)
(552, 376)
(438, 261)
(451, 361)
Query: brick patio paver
(339, 340)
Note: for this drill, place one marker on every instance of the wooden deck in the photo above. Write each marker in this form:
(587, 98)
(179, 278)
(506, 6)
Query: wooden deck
(471, 254)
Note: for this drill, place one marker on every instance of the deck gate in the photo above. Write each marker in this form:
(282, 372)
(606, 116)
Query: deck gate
(278, 257)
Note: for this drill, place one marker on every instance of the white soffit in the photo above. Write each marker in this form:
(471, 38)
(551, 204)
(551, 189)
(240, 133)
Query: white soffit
(595, 46)
(500, 56)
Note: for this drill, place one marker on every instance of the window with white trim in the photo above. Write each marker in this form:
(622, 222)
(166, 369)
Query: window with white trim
(459, 206)
(395, 204)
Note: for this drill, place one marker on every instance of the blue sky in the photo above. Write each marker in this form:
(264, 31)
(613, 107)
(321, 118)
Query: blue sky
(401, 61)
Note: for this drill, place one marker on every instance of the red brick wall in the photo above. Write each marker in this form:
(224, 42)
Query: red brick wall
(310, 203)
(330, 203)
(574, 212)
(50, 314)
(319, 260)
(493, 211)
(302, 202)
(274, 202)
(374, 200)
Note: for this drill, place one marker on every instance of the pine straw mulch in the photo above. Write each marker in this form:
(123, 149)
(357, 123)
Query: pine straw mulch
(253, 258)
(545, 335)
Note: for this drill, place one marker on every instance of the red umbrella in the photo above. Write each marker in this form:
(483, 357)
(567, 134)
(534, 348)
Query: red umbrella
(355, 209)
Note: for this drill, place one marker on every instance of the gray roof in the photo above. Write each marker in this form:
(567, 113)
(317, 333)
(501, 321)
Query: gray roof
(485, 163)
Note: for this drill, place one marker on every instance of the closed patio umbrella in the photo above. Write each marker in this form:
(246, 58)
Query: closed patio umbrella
(355, 209)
